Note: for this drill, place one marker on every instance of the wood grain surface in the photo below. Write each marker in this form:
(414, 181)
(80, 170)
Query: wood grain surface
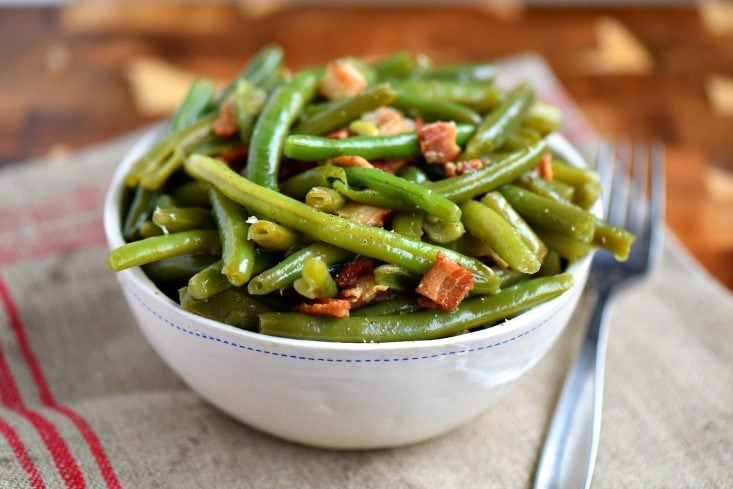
(79, 74)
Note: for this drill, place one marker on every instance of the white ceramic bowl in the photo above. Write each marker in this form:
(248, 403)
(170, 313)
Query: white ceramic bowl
(340, 395)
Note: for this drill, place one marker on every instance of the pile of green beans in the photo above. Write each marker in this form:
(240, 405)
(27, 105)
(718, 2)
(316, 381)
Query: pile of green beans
(248, 243)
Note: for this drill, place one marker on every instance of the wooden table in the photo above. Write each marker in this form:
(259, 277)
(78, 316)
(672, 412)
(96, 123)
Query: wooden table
(78, 74)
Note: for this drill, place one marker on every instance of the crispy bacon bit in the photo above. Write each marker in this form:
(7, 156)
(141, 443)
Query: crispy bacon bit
(446, 283)
(364, 291)
(335, 308)
(352, 271)
(225, 124)
(451, 169)
(438, 142)
(340, 134)
(545, 167)
(342, 80)
(349, 160)
(389, 121)
(390, 165)
(365, 214)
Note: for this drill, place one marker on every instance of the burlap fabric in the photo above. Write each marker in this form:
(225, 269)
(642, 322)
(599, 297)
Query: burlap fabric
(87, 403)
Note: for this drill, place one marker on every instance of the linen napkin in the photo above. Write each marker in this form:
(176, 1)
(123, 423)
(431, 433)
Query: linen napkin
(85, 402)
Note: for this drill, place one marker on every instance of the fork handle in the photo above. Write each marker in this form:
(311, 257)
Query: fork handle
(569, 453)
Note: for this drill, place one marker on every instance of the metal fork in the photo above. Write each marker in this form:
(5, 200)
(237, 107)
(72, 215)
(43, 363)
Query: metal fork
(634, 178)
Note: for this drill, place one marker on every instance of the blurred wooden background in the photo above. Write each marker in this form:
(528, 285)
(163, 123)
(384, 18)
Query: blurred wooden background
(81, 73)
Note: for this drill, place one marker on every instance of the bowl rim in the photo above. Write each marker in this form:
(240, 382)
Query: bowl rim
(113, 232)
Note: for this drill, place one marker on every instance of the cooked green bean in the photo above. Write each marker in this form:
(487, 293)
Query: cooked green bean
(434, 110)
(282, 109)
(175, 219)
(395, 277)
(237, 252)
(165, 201)
(402, 304)
(544, 213)
(342, 112)
(511, 277)
(260, 71)
(613, 238)
(138, 212)
(232, 306)
(358, 238)
(157, 248)
(543, 117)
(413, 174)
(208, 282)
(502, 207)
(214, 145)
(422, 325)
(372, 197)
(491, 176)
(478, 96)
(490, 227)
(521, 137)
(395, 66)
(398, 188)
(542, 187)
(248, 104)
(408, 224)
(177, 268)
(192, 194)
(497, 126)
(586, 182)
(321, 176)
(463, 72)
(315, 281)
(441, 231)
(194, 105)
(287, 271)
(324, 199)
(363, 128)
(551, 265)
(405, 145)
(148, 230)
(567, 247)
(272, 236)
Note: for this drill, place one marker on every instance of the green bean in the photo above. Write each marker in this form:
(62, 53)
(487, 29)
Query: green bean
(373, 198)
(248, 104)
(342, 112)
(238, 256)
(194, 104)
(148, 230)
(157, 248)
(511, 277)
(441, 231)
(413, 174)
(501, 206)
(262, 68)
(541, 187)
(324, 199)
(477, 96)
(395, 277)
(521, 137)
(423, 325)
(490, 177)
(273, 124)
(272, 236)
(491, 228)
(321, 176)
(192, 193)
(398, 188)
(471, 246)
(567, 247)
(586, 182)
(232, 306)
(434, 110)
(551, 265)
(408, 224)
(208, 282)
(563, 190)
(543, 117)
(358, 238)
(175, 219)
(463, 72)
(423, 63)
(544, 213)
(395, 66)
(177, 268)
(613, 238)
(405, 145)
(165, 201)
(214, 146)
(363, 128)
(315, 282)
(287, 271)
(401, 304)
(501, 122)
(138, 212)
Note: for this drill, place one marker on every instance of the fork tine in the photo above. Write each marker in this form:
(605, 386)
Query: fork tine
(619, 186)
(604, 167)
(657, 204)
(638, 192)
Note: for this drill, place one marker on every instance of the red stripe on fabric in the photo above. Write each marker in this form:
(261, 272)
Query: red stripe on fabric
(34, 478)
(48, 242)
(62, 458)
(47, 398)
(81, 199)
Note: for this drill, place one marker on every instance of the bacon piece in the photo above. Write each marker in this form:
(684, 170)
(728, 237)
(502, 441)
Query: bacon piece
(225, 124)
(446, 283)
(451, 169)
(348, 275)
(349, 160)
(389, 121)
(438, 142)
(365, 214)
(363, 292)
(340, 134)
(342, 80)
(390, 165)
(545, 167)
(335, 308)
